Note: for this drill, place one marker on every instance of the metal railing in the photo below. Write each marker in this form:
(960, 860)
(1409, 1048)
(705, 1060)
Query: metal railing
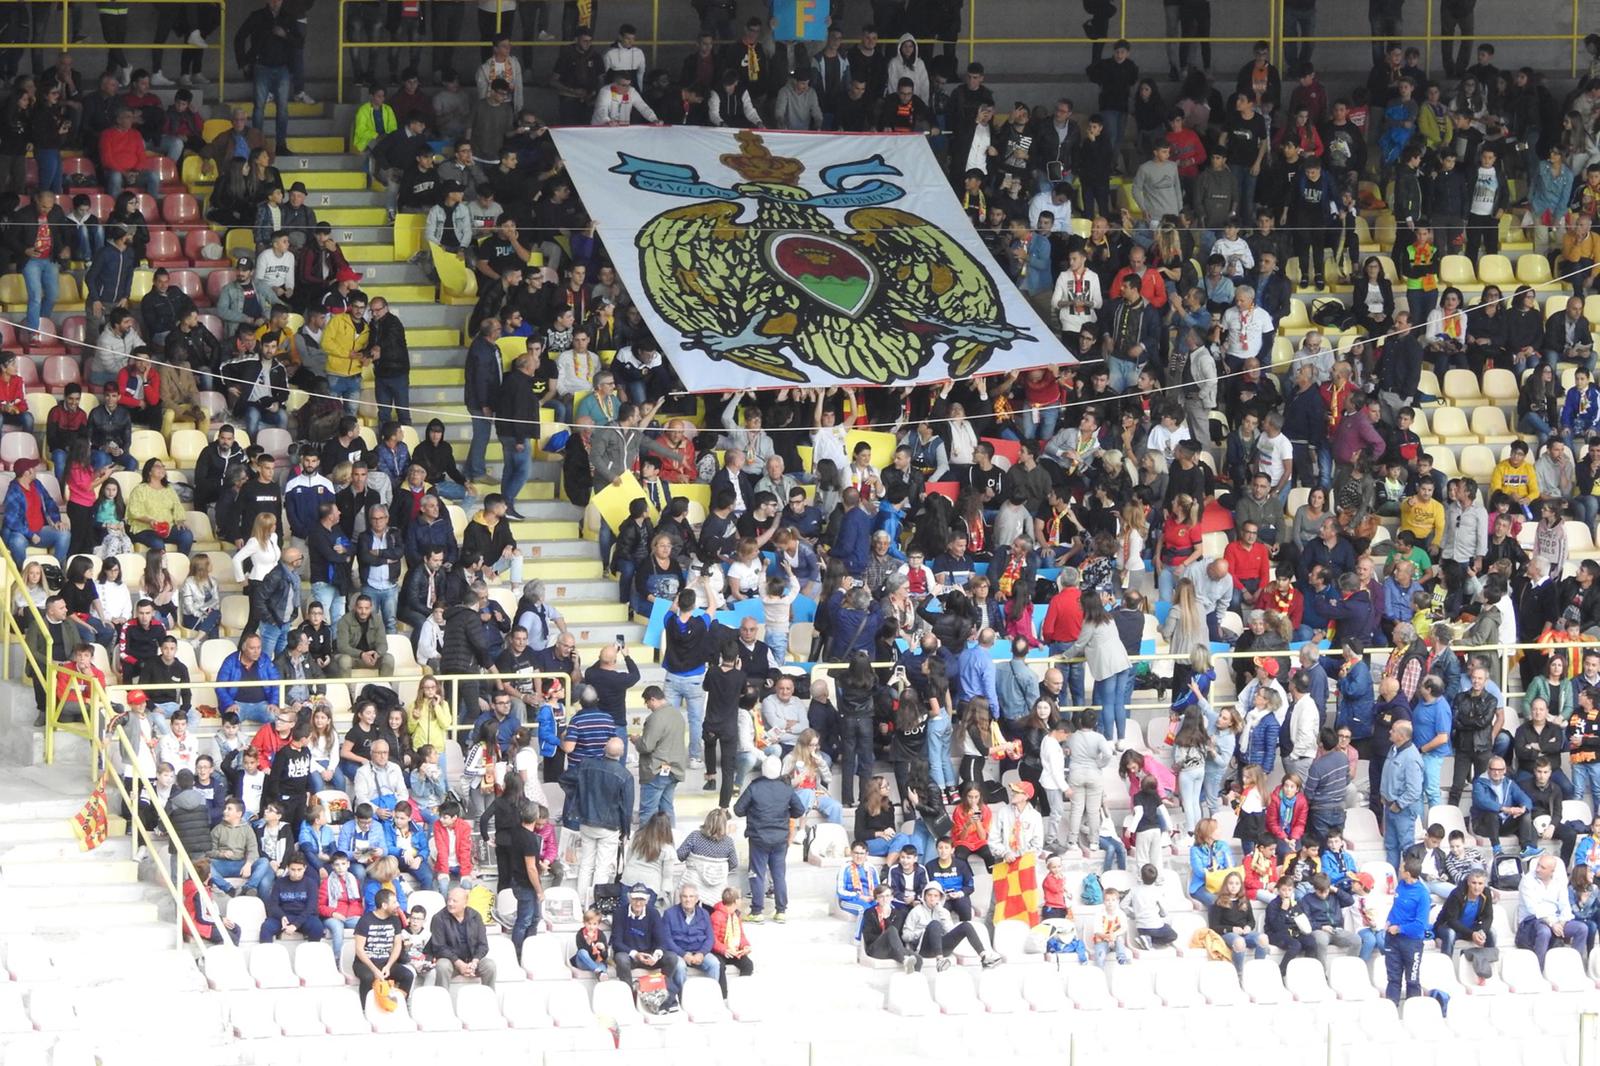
(42, 8)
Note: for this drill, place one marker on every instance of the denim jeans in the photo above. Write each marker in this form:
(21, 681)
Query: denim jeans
(274, 638)
(347, 389)
(43, 283)
(656, 794)
(1112, 694)
(1432, 764)
(765, 860)
(685, 691)
(449, 490)
(940, 772)
(1399, 832)
(393, 394)
(259, 877)
(49, 160)
(1298, 22)
(514, 469)
(527, 920)
(273, 82)
(476, 451)
(1586, 783)
(1211, 789)
(114, 183)
(1246, 182)
(254, 418)
(181, 540)
(336, 929)
(711, 966)
(254, 711)
(386, 602)
(1238, 943)
(100, 459)
(1124, 374)
(55, 541)
(826, 805)
(332, 600)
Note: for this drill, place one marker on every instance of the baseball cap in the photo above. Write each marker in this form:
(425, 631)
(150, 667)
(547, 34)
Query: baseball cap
(136, 696)
(1023, 787)
(244, 262)
(22, 466)
(638, 892)
(346, 274)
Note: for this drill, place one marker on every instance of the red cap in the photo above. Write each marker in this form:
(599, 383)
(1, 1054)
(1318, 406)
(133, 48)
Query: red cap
(1024, 787)
(1268, 666)
(346, 274)
(136, 695)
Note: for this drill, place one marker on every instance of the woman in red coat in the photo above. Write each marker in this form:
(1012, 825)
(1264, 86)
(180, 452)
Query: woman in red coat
(1286, 815)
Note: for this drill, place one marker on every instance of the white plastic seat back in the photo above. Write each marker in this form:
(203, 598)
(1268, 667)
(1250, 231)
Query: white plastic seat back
(613, 1002)
(398, 1020)
(296, 1015)
(1350, 979)
(1086, 987)
(954, 993)
(749, 999)
(269, 965)
(314, 964)
(1563, 968)
(1000, 990)
(504, 957)
(568, 1006)
(477, 1007)
(1519, 969)
(1262, 981)
(523, 1005)
(1219, 983)
(702, 1000)
(1306, 982)
(225, 969)
(908, 995)
(432, 1010)
(248, 913)
(544, 958)
(1043, 992)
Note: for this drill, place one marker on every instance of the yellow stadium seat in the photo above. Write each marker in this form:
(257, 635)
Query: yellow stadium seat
(1533, 270)
(407, 235)
(212, 652)
(1496, 270)
(240, 242)
(127, 480)
(143, 281)
(1419, 423)
(40, 404)
(132, 568)
(1500, 385)
(70, 297)
(1456, 270)
(1444, 461)
(199, 523)
(235, 614)
(1450, 426)
(1080, 226)
(1384, 232)
(186, 446)
(454, 277)
(197, 172)
(1297, 318)
(1429, 383)
(13, 292)
(1579, 540)
(214, 127)
(1555, 304)
(1388, 268)
(148, 444)
(1591, 309)
(1461, 388)
(1477, 461)
(1489, 423)
(1282, 352)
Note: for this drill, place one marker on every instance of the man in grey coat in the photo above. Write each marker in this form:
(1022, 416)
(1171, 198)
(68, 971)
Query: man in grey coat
(766, 806)
(795, 107)
(1156, 188)
(663, 755)
(614, 450)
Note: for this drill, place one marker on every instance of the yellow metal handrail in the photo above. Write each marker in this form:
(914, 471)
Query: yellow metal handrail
(67, 44)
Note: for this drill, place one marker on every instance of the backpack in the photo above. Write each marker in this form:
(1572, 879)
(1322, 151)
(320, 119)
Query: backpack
(1505, 873)
(386, 698)
(1091, 894)
(318, 418)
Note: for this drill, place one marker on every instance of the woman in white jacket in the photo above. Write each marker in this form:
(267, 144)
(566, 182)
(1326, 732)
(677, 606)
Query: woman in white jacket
(907, 64)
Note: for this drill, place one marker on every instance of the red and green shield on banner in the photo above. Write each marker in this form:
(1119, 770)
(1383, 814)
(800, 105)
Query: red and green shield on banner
(1016, 890)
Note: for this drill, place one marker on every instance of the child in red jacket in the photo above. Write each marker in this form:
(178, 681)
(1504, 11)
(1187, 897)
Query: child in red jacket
(340, 902)
(452, 846)
(1286, 815)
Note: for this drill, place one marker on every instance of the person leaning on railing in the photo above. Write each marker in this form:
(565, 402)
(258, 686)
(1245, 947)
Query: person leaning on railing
(49, 644)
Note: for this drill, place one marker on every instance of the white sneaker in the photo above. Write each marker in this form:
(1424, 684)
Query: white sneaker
(546, 35)
(303, 97)
(161, 81)
(199, 79)
(196, 39)
(697, 764)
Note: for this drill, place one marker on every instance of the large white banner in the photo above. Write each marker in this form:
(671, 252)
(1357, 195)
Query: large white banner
(768, 259)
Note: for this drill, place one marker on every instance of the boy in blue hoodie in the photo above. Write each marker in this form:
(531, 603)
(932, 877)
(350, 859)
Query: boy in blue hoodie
(1408, 920)
(292, 904)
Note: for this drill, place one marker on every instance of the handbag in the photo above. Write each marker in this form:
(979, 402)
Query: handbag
(611, 898)
(1215, 878)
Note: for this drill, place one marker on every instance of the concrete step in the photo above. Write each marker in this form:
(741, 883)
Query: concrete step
(35, 811)
(72, 918)
(53, 854)
(47, 874)
(69, 892)
(548, 510)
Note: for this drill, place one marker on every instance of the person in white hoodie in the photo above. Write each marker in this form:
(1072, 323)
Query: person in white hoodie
(275, 266)
(1053, 778)
(615, 104)
(906, 63)
(624, 57)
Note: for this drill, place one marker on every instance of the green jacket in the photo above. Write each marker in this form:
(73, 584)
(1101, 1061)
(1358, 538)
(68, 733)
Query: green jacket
(368, 128)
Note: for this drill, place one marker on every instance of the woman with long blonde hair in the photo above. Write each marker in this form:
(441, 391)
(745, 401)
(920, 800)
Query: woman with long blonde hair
(430, 717)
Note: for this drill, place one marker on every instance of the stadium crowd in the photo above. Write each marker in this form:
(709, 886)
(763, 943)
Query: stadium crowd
(1192, 472)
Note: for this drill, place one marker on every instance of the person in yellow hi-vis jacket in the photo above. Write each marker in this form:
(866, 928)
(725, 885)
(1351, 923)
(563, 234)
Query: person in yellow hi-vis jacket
(344, 342)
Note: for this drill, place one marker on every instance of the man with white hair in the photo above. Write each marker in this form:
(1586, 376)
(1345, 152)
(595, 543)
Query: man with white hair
(380, 782)
(459, 943)
(1244, 326)
(766, 806)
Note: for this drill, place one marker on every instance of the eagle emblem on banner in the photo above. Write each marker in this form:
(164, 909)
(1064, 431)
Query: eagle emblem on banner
(784, 289)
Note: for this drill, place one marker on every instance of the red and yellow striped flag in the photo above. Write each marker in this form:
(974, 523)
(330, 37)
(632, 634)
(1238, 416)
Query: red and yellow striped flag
(1016, 890)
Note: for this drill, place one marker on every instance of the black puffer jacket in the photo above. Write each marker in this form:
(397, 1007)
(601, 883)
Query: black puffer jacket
(465, 649)
(191, 820)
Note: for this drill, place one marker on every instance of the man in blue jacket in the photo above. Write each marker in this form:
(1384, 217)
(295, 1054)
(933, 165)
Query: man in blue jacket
(1408, 918)
(637, 942)
(109, 279)
(686, 934)
(1499, 805)
(767, 805)
(292, 903)
(484, 371)
(32, 518)
(255, 703)
(1401, 792)
(854, 541)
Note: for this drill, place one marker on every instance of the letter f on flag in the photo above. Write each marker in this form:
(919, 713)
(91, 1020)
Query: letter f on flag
(805, 17)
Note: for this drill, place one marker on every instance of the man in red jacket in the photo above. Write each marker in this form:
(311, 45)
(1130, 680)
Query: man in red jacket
(122, 157)
(1063, 624)
(1250, 563)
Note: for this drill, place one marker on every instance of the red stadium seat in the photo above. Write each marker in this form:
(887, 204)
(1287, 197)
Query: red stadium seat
(212, 323)
(101, 205)
(28, 371)
(194, 242)
(15, 446)
(164, 250)
(149, 208)
(30, 173)
(180, 209)
(46, 341)
(189, 282)
(78, 167)
(165, 168)
(8, 335)
(215, 281)
(73, 328)
(60, 371)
